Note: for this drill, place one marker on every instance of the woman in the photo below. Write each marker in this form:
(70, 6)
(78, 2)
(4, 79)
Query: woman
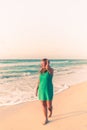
(44, 88)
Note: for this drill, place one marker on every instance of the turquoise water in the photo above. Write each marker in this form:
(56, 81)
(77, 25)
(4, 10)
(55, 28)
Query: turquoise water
(19, 68)
(18, 77)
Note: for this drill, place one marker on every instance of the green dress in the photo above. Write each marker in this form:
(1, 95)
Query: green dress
(45, 90)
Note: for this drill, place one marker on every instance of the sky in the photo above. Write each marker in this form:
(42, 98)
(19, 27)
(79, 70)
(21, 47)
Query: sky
(49, 28)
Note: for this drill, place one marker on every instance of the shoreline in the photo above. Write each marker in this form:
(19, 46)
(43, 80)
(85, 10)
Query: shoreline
(67, 86)
(69, 112)
(17, 90)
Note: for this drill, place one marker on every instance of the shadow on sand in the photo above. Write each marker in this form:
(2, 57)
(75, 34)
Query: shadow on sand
(67, 115)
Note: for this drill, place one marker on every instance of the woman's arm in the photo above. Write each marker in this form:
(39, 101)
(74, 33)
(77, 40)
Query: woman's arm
(37, 87)
(48, 68)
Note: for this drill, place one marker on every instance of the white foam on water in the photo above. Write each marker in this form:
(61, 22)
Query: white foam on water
(22, 89)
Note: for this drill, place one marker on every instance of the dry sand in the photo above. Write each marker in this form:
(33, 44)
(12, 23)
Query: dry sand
(69, 112)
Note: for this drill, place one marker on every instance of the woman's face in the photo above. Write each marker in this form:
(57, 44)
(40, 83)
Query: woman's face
(43, 64)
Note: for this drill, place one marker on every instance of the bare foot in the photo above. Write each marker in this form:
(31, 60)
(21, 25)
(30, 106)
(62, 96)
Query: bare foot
(45, 122)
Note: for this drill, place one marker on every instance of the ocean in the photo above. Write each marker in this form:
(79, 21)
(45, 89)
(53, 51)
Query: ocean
(19, 77)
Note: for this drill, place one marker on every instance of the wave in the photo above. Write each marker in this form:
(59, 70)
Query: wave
(18, 78)
(12, 61)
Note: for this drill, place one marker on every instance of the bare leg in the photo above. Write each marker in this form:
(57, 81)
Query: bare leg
(44, 106)
(49, 106)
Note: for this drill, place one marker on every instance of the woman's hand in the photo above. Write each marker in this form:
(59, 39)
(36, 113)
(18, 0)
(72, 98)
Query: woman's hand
(47, 65)
(48, 68)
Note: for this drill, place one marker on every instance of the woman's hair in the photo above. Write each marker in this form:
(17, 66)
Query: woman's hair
(45, 60)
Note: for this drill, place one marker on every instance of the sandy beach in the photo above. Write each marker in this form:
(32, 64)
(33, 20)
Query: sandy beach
(69, 112)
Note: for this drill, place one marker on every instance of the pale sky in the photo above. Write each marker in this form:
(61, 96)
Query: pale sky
(43, 28)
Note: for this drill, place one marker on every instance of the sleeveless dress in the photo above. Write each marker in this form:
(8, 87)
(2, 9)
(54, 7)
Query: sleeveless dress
(45, 90)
